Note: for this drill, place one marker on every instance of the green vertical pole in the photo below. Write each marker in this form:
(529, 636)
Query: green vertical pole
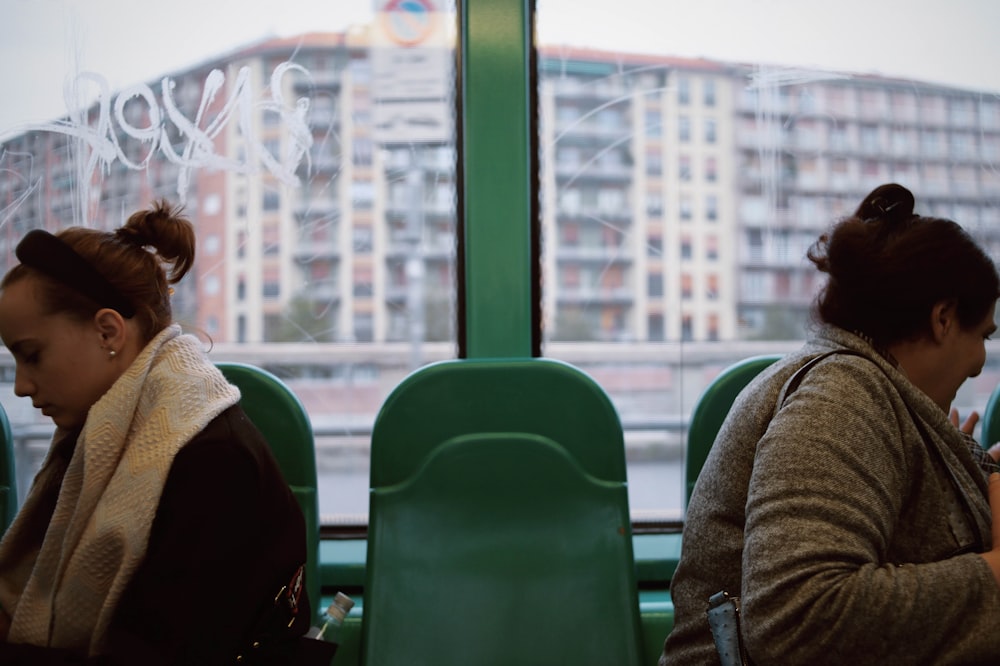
(495, 38)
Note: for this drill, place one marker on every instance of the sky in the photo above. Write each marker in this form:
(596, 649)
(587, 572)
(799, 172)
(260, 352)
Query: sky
(43, 43)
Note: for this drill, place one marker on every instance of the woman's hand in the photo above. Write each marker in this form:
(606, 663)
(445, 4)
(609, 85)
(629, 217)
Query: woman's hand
(969, 426)
(970, 423)
(992, 557)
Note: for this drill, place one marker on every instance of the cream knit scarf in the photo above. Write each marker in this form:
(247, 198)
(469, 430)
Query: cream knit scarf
(84, 527)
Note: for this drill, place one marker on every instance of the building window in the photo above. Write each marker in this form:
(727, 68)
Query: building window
(654, 246)
(687, 286)
(272, 201)
(683, 129)
(712, 248)
(685, 207)
(363, 282)
(869, 138)
(212, 244)
(711, 169)
(654, 125)
(654, 204)
(708, 92)
(362, 194)
(654, 286)
(684, 167)
(683, 90)
(686, 251)
(713, 327)
(711, 207)
(654, 162)
(569, 234)
(271, 240)
(569, 277)
(362, 147)
(211, 285)
(364, 328)
(712, 287)
(362, 239)
(656, 328)
(710, 132)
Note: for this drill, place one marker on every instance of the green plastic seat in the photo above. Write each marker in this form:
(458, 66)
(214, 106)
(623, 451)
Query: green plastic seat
(711, 410)
(990, 427)
(280, 416)
(8, 477)
(499, 529)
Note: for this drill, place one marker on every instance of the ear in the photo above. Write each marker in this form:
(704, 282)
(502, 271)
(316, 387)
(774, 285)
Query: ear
(110, 327)
(943, 320)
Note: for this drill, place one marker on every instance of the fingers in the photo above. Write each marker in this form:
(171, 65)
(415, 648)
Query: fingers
(970, 423)
(994, 452)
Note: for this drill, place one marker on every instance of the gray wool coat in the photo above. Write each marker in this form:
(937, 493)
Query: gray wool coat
(850, 536)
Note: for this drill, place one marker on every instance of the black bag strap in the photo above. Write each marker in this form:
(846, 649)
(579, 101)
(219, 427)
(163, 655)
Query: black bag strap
(796, 379)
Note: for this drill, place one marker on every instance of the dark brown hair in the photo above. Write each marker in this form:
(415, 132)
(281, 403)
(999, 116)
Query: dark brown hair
(132, 258)
(888, 267)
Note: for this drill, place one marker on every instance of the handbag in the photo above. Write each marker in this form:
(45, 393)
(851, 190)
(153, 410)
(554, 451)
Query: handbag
(724, 621)
(272, 640)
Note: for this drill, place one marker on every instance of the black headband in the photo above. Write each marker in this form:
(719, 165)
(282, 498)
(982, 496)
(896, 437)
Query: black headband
(52, 256)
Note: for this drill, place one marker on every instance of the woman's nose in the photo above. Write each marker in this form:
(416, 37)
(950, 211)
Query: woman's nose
(22, 386)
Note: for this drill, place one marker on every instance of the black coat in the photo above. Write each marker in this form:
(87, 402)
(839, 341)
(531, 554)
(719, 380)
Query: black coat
(227, 537)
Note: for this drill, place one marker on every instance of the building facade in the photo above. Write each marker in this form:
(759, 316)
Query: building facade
(678, 196)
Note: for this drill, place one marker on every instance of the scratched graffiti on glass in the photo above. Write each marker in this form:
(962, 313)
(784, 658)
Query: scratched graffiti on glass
(183, 134)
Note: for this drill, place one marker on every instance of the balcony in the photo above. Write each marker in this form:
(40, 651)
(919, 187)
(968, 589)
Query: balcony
(594, 171)
(309, 249)
(317, 208)
(322, 291)
(599, 295)
(593, 254)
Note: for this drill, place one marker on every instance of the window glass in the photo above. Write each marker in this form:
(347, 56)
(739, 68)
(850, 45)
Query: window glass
(688, 159)
(771, 123)
(312, 144)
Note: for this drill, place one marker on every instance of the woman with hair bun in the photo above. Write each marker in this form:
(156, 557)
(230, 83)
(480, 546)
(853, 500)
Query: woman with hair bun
(840, 503)
(159, 529)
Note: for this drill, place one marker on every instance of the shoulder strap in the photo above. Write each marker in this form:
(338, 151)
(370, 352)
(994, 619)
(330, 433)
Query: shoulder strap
(796, 379)
(793, 383)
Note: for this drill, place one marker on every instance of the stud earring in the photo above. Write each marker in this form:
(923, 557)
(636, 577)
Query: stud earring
(112, 353)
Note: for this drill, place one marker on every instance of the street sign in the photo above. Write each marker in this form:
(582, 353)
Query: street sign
(412, 72)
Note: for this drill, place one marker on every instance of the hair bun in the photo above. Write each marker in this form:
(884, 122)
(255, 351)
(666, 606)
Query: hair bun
(890, 202)
(131, 236)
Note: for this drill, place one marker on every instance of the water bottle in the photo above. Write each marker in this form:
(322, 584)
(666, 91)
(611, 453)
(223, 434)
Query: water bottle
(334, 618)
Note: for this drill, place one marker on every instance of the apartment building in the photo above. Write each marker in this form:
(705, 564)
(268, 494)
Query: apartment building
(811, 144)
(678, 196)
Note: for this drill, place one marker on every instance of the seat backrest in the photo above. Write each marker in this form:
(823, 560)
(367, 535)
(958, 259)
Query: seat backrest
(499, 528)
(449, 398)
(990, 433)
(282, 419)
(711, 410)
(8, 476)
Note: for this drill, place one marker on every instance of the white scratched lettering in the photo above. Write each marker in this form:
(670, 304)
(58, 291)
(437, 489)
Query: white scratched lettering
(98, 126)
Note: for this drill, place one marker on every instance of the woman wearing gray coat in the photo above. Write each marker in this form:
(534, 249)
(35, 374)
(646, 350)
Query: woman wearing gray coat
(840, 503)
